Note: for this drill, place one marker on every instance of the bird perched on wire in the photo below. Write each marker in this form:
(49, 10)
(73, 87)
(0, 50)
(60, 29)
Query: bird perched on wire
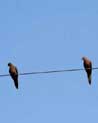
(88, 68)
(14, 74)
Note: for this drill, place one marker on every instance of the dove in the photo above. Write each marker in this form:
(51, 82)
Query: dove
(88, 68)
(14, 74)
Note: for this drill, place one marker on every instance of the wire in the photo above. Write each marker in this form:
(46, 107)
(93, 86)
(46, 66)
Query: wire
(48, 72)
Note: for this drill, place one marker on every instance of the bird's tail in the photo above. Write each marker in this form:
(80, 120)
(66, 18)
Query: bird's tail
(16, 85)
(16, 82)
(89, 79)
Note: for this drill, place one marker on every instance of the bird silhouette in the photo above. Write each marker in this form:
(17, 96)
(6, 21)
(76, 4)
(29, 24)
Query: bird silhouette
(88, 68)
(14, 74)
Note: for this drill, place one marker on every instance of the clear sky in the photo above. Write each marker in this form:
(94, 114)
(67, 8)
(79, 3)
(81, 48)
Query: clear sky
(38, 35)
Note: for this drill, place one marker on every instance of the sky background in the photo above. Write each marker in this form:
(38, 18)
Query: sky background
(39, 35)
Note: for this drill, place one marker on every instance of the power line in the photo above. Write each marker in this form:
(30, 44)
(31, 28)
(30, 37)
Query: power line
(49, 71)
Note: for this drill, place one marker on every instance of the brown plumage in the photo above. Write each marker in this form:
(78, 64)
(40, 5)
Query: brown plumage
(88, 68)
(14, 74)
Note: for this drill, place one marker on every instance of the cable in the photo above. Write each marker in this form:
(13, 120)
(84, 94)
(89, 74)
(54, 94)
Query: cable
(48, 72)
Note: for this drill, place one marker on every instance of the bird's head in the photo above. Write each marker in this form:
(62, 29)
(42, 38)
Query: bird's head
(9, 64)
(83, 58)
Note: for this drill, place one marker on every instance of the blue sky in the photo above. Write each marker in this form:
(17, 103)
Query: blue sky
(47, 35)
